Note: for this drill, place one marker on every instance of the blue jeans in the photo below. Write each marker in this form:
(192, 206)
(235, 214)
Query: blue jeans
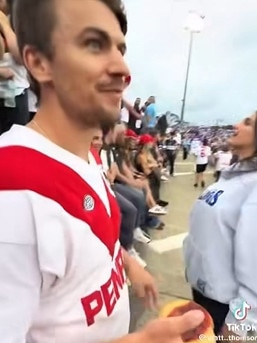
(136, 197)
(128, 221)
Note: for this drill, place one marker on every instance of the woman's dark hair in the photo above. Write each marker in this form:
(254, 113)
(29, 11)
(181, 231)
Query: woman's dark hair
(255, 138)
(30, 29)
(251, 159)
(34, 22)
(137, 108)
(225, 148)
(205, 142)
(255, 135)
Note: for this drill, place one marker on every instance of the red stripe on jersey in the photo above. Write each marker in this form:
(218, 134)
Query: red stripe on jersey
(96, 155)
(27, 169)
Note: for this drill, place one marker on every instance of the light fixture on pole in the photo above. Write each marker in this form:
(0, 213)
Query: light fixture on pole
(194, 24)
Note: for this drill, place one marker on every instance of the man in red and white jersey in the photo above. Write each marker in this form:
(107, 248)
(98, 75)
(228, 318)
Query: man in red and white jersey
(62, 271)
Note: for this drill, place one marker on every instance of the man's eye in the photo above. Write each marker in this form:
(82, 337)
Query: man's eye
(94, 44)
(247, 121)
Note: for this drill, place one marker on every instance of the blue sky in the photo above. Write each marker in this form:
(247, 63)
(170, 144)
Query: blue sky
(223, 74)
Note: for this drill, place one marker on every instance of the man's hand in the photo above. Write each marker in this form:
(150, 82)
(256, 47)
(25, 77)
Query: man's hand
(170, 330)
(165, 330)
(143, 284)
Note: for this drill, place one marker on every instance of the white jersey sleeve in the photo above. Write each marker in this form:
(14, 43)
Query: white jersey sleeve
(20, 279)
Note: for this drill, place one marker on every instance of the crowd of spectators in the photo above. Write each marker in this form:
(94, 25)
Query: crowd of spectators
(17, 101)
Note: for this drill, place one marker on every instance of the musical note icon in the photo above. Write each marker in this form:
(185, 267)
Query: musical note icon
(241, 312)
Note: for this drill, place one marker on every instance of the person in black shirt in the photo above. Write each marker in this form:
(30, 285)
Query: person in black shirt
(171, 151)
(134, 114)
(133, 119)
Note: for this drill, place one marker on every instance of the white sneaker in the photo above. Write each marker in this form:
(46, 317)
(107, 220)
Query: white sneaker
(158, 210)
(164, 178)
(133, 253)
(141, 236)
(165, 172)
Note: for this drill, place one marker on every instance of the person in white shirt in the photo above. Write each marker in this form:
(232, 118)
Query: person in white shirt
(13, 76)
(202, 155)
(223, 159)
(178, 138)
(62, 267)
(124, 114)
(195, 145)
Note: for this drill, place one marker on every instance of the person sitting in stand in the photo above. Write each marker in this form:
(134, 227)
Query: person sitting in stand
(146, 163)
(156, 152)
(128, 186)
(129, 213)
(130, 171)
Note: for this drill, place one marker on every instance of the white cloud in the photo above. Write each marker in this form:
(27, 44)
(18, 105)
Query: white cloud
(224, 61)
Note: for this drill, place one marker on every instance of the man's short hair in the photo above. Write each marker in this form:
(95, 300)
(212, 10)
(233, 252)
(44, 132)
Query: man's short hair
(34, 22)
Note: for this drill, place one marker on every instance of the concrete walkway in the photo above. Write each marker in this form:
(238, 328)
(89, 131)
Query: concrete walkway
(164, 255)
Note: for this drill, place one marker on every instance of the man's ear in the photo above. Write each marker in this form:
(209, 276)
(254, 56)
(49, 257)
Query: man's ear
(37, 64)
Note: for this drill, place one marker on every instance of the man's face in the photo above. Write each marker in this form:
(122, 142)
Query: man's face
(88, 69)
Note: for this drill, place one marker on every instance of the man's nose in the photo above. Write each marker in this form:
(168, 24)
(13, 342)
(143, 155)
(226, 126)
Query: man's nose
(118, 66)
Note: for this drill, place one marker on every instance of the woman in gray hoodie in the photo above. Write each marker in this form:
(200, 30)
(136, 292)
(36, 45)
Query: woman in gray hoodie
(220, 251)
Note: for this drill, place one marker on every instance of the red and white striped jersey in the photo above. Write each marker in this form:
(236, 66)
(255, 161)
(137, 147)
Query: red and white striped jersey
(62, 278)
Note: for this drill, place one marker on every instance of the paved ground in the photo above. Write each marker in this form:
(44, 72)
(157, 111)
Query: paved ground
(164, 258)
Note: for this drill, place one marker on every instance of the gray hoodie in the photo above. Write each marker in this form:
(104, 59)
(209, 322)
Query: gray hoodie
(220, 251)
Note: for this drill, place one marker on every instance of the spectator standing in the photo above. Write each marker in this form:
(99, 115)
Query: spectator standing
(151, 114)
(171, 151)
(124, 114)
(202, 156)
(223, 159)
(135, 122)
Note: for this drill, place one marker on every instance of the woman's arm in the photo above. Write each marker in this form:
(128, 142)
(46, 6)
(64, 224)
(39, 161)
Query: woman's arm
(132, 110)
(142, 161)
